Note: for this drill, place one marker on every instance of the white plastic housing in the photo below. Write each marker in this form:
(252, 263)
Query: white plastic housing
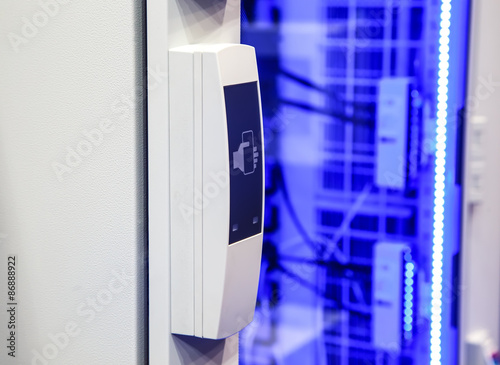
(214, 283)
(388, 295)
(392, 132)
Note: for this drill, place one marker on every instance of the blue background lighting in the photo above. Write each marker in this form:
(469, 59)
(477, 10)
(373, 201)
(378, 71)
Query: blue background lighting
(321, 64)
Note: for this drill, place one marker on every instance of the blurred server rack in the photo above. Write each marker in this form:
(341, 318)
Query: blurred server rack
(338, 64)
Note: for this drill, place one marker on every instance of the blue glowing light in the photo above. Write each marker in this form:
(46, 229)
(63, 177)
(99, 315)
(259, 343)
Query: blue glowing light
(439, 179)
(408, 296)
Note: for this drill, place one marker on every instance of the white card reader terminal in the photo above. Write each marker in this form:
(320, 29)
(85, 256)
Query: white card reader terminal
(217, 188)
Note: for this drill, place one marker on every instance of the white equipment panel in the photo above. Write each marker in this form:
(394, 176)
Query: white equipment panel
(393, 295)
(217, 188)
(392, 132)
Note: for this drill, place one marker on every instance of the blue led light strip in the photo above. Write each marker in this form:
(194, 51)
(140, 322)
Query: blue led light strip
(408, 298)
(439, 186)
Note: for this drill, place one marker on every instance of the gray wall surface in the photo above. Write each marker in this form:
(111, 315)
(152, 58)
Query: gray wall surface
(72, 192)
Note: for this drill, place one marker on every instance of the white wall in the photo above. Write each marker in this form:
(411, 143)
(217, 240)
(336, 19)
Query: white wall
(73, 232)
(480, 291)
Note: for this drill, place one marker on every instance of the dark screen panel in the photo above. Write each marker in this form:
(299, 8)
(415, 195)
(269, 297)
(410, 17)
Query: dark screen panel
(245, 160)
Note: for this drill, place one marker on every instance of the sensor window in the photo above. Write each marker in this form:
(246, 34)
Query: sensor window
(245, 160)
